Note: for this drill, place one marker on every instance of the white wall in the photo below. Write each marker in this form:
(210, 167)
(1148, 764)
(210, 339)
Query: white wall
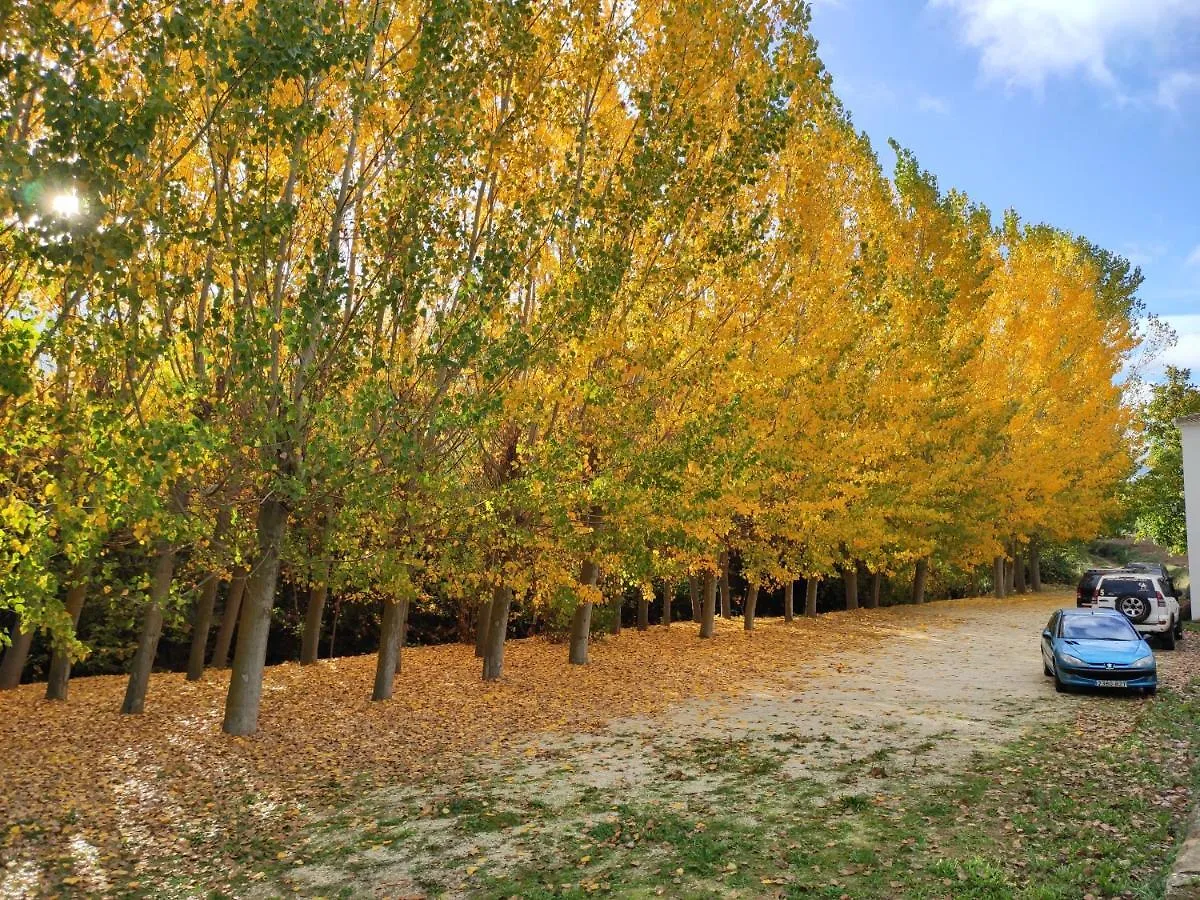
(1191, 487)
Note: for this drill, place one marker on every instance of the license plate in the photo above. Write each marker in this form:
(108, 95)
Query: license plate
(1112, 684)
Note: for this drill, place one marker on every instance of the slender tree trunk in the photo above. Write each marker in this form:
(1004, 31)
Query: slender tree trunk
(60, 662)
(920, 580)
(254, 626)
(581, 621)
(229, 618)
(668, 596)
(850, 578)
(726, 599)
(1035, 566)
(1018, 573)
(751, 606)
(14, 657)
(810, 596)
(694, 595)
(493, 660)
(482, 623)
(152, 621)
(1010, 574)
(708, 609)
(876, 589)
(998, 577)
(201, 624)
(789, 600)
(619, 605)
(314, 613)
(391, 640)
(643, 613)
(337, 612)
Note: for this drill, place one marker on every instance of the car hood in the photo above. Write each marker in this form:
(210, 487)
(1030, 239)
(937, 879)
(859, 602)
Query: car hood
(1105, 651)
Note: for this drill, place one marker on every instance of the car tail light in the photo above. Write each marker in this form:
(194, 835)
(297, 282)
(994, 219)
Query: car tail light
(1162, 601)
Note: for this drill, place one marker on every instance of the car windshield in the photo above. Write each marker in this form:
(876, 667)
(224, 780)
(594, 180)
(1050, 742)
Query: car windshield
(1097, 628)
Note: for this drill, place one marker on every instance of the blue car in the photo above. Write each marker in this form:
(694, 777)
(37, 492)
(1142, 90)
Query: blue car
(1096, 648)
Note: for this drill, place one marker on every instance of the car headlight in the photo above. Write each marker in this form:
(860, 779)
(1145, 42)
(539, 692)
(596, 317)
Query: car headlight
(1145, 662)
(1071, 660)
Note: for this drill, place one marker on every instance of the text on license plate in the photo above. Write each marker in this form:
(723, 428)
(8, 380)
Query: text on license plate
(1112, 684)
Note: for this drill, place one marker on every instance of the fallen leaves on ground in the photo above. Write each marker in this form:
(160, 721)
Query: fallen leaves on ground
(106, 799)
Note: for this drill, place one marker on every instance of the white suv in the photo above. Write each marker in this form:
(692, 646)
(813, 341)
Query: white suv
(1149, 609)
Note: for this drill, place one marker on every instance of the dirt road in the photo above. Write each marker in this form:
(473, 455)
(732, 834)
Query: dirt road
(953, 678)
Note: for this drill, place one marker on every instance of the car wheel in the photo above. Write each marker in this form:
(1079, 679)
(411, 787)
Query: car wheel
(1168, 638)
(1135, 608)
(1046, 669)
(1151, 691)
(1059, 686)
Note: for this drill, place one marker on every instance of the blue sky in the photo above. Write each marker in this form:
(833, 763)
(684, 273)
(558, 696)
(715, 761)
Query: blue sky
(1081, 113)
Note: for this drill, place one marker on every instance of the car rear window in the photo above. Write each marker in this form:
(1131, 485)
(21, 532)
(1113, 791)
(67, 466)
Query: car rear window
(1114, 587)
(1097, 628)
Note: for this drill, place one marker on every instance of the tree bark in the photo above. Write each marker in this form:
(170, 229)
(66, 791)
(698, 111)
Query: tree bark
(751, 606)
(876, 589)
(668, 596)
(789, 601)
(1018, 573)
(391, 640)
(581, 621)
(233, 607)
(619, 605)
(1010, 574)
(14, 657)
(998, 577)
(152, 621)
(920, 580)
(810, 596)
(1035, 566)
(850, 579)
(483, 620)
(726, 599)
(643, 613)
(314, 614)
(201, 624)
(694, 595)
(254, 625)
(60, 662)
(708, 608)
(493, 659)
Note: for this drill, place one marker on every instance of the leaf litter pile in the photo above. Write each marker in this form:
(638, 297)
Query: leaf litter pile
(95, 801)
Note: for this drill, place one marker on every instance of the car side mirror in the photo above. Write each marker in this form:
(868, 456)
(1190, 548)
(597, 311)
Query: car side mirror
(1045, 632)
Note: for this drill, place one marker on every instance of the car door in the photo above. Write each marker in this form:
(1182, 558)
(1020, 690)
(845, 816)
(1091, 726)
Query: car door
(1048, 637)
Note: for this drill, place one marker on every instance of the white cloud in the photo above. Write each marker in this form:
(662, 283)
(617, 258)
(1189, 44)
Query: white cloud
(1193, 258)
(1186, 352)
(1175, 87)
(930, 104)
(1023, 42)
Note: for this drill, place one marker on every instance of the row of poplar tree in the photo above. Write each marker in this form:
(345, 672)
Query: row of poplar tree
(503, 301)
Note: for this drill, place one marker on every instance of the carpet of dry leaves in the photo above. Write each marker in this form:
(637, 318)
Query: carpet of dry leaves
(123, 798)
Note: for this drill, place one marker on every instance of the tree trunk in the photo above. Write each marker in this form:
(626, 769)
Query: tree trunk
(708, 608)
(810, 596)
(998, 577)
(1010, 574)
(391, 640)
(147, 649)
(876, 589)
(850, 578)
(483, 620)
(789, 600)
(920, 580)
(1035, 566)
(202, 622)
(314, 613)
(60, 662)
(581, 621)
(643, 615)
(751, 606)
(14, 657)
(254, 626)
(694, 595)
(668, 596)
(233, 607)
(619, 603)
(726, 600)
(1018, 573)
(493, 659)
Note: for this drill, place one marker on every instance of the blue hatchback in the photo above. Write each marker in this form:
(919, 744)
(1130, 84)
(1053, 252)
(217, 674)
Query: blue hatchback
(1096, 648)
